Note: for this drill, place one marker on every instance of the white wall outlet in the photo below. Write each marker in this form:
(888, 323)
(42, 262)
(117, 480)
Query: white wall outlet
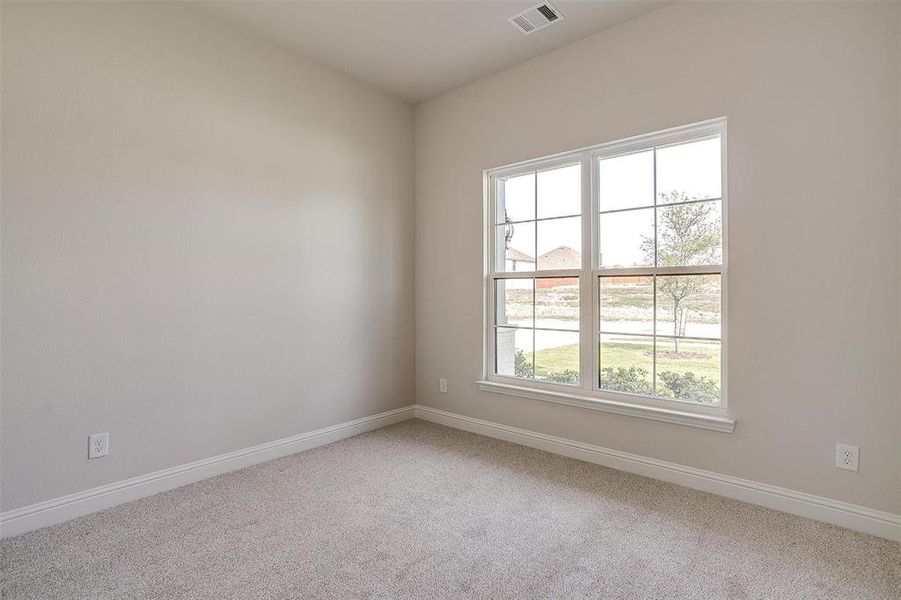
(847, 457)
(442, 385)
(98, 445)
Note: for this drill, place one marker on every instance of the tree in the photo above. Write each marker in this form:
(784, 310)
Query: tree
(687, 235)
(522, 366)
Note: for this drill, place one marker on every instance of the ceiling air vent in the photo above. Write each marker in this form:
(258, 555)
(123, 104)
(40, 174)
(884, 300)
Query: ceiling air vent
(535, 18)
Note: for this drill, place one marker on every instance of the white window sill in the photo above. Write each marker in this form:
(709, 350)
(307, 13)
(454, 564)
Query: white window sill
(714, 422)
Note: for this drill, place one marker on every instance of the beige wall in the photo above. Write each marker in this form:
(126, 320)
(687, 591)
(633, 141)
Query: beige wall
(207, 244)
(811, 92)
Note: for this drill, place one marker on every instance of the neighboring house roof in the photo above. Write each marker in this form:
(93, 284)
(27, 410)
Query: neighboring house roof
(514, 254)
(562, 257)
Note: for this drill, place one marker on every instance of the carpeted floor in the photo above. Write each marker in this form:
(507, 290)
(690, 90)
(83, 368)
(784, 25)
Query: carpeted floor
(419, 510)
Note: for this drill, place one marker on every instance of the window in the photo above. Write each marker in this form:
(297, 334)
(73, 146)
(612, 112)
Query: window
(538, 231)
(607, 271)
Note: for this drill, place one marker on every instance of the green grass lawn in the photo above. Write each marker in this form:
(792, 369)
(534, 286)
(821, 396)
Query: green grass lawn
(703, 361)
(561, 358)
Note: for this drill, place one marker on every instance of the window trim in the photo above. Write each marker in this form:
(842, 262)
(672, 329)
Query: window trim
(588, 394)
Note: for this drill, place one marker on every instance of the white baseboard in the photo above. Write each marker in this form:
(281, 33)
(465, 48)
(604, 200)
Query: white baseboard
(42, 514)
(852, 516)
(844, 514)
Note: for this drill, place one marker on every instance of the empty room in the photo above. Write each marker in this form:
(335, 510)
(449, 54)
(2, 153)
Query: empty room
(450, 299)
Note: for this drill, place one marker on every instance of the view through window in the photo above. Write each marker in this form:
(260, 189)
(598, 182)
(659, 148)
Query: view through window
(635, 308)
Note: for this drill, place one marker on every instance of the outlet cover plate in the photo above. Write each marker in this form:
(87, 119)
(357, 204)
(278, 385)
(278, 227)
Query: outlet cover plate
(847, 457)
(98, 445)
(442, 385)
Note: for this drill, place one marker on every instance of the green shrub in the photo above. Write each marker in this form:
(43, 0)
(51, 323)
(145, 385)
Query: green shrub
(689, 386)
(570, 376)
(633, 380)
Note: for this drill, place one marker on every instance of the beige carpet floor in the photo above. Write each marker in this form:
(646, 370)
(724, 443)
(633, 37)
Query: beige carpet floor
(417, 510)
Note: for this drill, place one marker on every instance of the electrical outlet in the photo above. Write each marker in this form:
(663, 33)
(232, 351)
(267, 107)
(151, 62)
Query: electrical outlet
(98, 445)
(442, 385)
(847, 457)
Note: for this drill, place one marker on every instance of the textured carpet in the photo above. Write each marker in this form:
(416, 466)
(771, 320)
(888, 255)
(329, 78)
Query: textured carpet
(420, 510)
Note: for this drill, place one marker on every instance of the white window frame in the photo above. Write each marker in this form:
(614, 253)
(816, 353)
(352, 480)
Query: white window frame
(588, 394)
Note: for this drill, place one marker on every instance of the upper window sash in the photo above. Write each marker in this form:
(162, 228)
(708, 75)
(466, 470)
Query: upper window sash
(589, 157)
(533, 228)
(657, 142)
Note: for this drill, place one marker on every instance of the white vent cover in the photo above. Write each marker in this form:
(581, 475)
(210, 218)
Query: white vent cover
(535, 18)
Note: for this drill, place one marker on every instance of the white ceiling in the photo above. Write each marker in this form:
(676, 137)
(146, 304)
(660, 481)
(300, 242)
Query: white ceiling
(416, 50)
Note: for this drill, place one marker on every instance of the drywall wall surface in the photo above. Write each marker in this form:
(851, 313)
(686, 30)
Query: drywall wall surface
(810, 91)
(206, 244)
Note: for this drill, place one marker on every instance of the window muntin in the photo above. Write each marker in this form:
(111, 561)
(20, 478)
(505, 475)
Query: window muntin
(656, 212)
(537, 274)
(538, 220)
